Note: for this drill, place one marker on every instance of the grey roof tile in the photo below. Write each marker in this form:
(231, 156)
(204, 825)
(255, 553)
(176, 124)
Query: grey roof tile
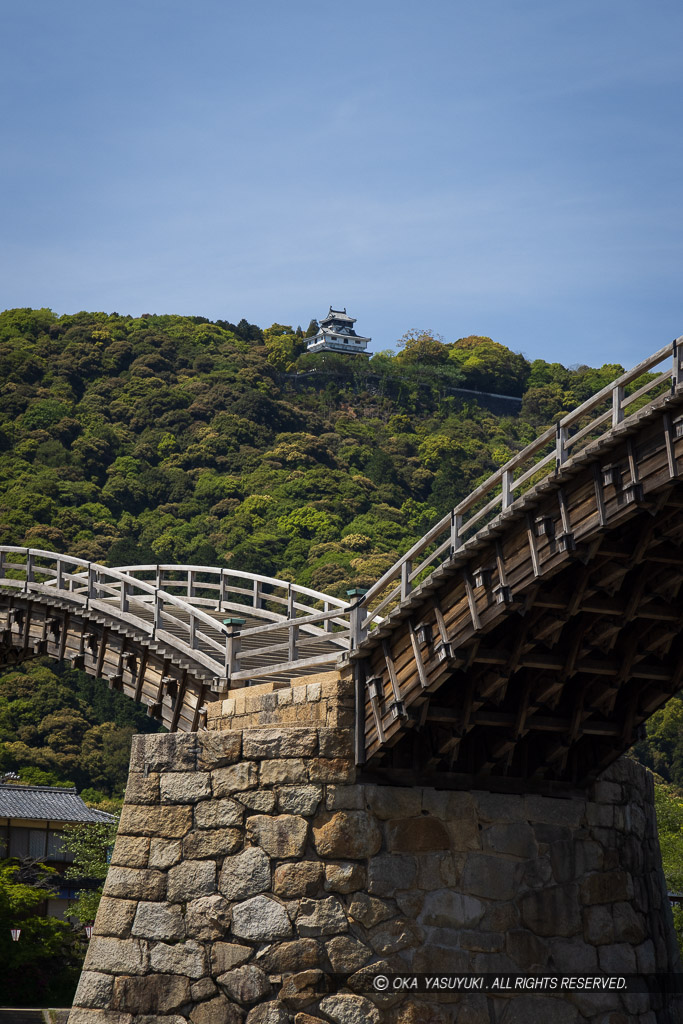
(54, 803)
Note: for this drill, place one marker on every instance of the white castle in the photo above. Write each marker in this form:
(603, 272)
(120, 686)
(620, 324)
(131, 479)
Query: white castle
(336, 334)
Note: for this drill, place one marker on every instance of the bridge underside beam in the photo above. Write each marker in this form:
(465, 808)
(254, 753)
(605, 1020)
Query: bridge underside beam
(171, 689)
(540, 655)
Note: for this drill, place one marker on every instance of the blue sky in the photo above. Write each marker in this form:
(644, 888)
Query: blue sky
(501, 167)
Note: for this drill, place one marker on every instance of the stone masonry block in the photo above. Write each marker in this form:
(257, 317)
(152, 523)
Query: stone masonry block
(346, 798)
(345, 877)
(281, 836)
(94, 989)
(184, 958)
(514, 838)
(287, 772)
(489, 876)
(260, 919)
(184, 787)
(348, 835)
(135, 883)
(215, 750)
(170, 752)
(116, 956)
(164, 853)
(245, 874)
(211, 842)
(554, 811)
(142, 789)
(158, 822)
(155, 994)
(552, 911)
(446, 909)
(130, 852)
(226, 781)
(190, 879)
(321, 917)
(606, 887)
(413, 835)
(260, 800)
(387, 802)
(299, 799)
(218, 813)
(260, 744)
(301, 878)
(158, 921)
(115, 917)
(391, 871)
(339, 770)
(335, 742)
(298, 955)
(208, 917)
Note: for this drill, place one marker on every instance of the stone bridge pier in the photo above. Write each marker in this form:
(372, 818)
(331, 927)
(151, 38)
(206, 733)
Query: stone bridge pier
(259, 878)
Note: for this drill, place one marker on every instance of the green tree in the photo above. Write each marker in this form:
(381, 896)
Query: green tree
(91, 844)
(422, 347)
(45, 962)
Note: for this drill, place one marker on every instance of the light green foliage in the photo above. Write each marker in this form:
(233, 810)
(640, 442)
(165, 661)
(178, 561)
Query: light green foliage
(283, 346)
(422, 347)
(91, 843)
(489, 366)
(662, 750)
(669, 808)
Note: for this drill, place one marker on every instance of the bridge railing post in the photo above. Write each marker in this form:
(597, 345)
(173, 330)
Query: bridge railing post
(232, 645)
(123, 597)
(59, 577)
(677, 367)
(456, 527)
(357, 630)
(256, 598)
(561, 453)
(29, 567)
(92, 581)
(508, 490)
(193, 630)
(158, 611)
(406, 585)
(617, 407)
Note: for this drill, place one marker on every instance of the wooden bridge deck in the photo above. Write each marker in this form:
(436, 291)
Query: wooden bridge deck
(538, 648)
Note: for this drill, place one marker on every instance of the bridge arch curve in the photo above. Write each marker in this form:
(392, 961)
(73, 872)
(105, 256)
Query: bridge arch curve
(170, 636)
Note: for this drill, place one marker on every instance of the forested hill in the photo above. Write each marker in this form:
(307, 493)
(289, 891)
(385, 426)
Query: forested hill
(175, 439)
(168, 438)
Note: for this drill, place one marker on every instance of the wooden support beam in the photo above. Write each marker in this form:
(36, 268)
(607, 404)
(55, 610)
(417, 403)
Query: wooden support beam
(419, 664)
(471, 602)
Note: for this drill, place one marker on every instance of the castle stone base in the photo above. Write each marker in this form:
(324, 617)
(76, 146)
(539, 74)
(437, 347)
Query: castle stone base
(256, 881)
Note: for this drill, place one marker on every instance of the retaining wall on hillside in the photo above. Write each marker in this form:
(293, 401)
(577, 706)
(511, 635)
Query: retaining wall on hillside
(255, 880)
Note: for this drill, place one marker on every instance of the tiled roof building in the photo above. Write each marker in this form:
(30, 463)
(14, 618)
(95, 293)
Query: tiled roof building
(32, 819)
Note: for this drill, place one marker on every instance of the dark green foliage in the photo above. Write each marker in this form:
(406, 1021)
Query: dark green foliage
(62, 727)
(167, 438)
(42, 968)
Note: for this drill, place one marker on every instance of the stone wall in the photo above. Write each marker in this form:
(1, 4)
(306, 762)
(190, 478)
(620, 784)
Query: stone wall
(252, 870)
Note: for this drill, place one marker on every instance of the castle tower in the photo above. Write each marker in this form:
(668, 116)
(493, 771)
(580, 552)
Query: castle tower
(336, 334)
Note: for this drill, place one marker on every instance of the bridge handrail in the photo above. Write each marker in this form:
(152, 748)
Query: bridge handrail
(454, 522)
(198, 629)
(239, 573)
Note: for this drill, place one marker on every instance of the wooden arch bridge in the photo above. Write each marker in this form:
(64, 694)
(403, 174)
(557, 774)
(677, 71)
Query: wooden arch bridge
(527, 635)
